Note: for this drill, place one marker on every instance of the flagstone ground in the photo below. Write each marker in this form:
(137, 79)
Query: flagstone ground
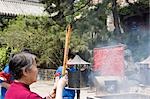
(43, 88)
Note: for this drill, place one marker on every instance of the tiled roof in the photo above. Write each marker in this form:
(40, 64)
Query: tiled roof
(21, 8)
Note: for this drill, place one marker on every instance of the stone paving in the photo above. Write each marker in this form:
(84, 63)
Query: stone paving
(44, 87)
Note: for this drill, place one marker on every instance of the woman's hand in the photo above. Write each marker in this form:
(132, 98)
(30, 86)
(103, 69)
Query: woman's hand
(52, 94)
(60, 86)
(5, 85)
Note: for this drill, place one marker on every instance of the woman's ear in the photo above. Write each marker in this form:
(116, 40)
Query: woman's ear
(25, 72)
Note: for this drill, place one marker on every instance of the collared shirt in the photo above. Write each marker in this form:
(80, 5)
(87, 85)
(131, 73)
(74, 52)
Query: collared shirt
(19, 90)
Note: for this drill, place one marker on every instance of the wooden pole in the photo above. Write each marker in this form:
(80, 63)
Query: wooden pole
(66, 50)
(78, 94)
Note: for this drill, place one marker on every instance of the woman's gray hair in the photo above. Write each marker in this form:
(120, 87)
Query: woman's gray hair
(19, 62)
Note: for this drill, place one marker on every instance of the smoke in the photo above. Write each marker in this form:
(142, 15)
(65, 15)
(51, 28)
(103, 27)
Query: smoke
(112, 87)
(108, 43)
(135, 79)
(133, 84)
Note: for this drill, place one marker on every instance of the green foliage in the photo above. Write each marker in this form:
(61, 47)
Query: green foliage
(4, 20)
(65, 11)
(2, 57)
(144, 2)
(32, 32)
(88, 21)
(45, 36)
(137, 39)
(41, 35)
(135, 8)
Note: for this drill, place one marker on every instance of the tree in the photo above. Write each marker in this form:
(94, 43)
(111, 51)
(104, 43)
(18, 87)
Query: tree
(41, 35)
(80, 12)
(116, 18)
(135, 20)
(45, 36)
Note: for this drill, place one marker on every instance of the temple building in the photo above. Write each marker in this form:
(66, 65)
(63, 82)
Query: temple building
(21, 7)
(12, 8)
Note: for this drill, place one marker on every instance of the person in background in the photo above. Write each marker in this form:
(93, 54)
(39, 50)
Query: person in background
(5, 79)
(23, 67)
(84, 76)
(67, 93)
(91, 80)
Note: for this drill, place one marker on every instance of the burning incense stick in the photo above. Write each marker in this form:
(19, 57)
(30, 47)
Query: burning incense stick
(66, 50)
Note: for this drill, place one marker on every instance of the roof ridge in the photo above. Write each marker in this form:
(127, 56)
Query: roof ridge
(21, 8)
(23, 2)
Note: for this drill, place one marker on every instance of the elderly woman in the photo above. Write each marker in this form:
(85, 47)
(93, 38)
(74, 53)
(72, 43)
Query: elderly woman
(23, 67)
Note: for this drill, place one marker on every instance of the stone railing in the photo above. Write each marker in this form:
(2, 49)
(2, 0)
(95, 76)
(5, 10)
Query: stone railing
(46, 74)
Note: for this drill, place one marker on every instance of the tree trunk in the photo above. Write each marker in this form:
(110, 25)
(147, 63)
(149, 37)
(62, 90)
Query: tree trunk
(116, 18)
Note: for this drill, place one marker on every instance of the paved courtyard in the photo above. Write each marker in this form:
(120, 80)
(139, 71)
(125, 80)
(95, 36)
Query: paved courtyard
(44, 87)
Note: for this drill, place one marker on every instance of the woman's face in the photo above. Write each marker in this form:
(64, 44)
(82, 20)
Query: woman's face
(32, 73)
